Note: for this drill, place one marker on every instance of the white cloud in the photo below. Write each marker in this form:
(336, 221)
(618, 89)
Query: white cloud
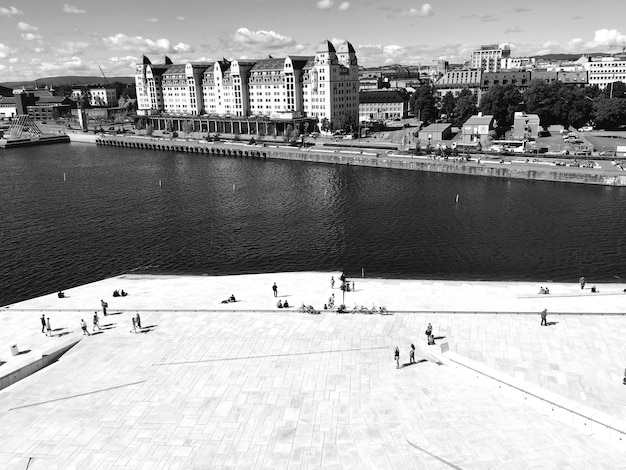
(607, 37)
(144, 45)
(26, 27)
(5, 51)
(180, 18)
(13, 60)
(344, 6)
(325, 4)
(9, 12)
(267, 39)
(425, 10)
(30, 36)
(151, 20)
(67, 8)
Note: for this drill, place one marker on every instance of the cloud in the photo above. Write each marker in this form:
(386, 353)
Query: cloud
(26, 27)
(67, 8)
(482, 17)
(425, 10)
(521, 10)
(30, 36)
(266, 39)
(344, 6)
(151, 20)
(377, 54)
(513, 29)
(180, 18)
(9, 12)
(607, 37)
(5, 51)
(325, 4)
(144, 45)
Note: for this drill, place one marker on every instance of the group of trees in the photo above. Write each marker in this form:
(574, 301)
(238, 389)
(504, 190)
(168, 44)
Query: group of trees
(554, 103)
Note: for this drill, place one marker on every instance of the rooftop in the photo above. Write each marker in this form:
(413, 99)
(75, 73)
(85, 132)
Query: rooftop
(247, 385)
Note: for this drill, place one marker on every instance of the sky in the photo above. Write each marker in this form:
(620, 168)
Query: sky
(45, 38)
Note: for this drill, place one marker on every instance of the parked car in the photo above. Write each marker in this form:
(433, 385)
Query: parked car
(585, 129)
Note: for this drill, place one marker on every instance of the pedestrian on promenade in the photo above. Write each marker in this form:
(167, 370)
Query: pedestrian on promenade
(104, 307)
(412, 354)
(429, 330)
(83, 326)
(96, 322)
(275, 289)
(138, 321)
(332, 282)
(544, 314)
(43, 323)
(624, 376)
(431, 340)
(396, 356)
(48, 328)
(582, 282)
(134, 325)
(352, 286)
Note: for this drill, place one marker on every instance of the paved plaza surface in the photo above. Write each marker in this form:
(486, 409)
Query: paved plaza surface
(246, 385)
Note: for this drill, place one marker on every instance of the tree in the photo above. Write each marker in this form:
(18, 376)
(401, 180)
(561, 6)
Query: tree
(187, 127)
(325, 124)
(559, 103)
(465, 107)
(448, 103)
(610, 113)
(423, 103)
(502, 101)
(615, 90)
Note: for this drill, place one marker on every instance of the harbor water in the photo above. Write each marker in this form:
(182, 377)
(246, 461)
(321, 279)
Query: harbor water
(76, 213)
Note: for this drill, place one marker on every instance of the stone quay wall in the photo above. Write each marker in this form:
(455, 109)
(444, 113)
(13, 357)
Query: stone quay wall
(369, 158)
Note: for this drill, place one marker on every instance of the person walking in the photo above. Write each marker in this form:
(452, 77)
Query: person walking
(48, 327)
(83, 326)
(43, 323)
(332, 282)
(275, 289)
(544, 314)
(412, 354)
(138, 321)
(429, 330)
(134, 325)
(96, 322)
(582, 282)
(396, 356)
(104, 307)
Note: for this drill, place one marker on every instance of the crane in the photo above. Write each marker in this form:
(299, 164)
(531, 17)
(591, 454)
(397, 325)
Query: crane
(106, 82)
(623, 46)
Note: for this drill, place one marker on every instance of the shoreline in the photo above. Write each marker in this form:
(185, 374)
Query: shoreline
(364, 157)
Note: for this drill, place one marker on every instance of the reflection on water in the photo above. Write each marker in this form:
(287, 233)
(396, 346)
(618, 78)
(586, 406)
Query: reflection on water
(220, 215)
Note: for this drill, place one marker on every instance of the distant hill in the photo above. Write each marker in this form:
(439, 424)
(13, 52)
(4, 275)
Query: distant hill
(568, 57)
(69, 81)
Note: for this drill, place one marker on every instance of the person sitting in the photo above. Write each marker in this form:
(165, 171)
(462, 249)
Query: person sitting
(546, 291)
(123, 294)
(542, 290)
(232, 298)
(116, 293)
(325, 307)
(431, 340)
(593, 289)
(279, 304)
(286, 304)
(61, 294)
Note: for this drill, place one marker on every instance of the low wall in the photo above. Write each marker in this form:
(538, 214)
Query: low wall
(16, 368)
(366, 157)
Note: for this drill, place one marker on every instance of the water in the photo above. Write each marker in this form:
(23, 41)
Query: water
(224, 215)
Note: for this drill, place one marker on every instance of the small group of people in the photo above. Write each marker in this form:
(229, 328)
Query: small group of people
(396, 356)
(61, 294)
(229, 300)
(544, 290)
(430, 338)
(284, 304)
(45, 325)
(136, 323)
(117, 293)
(331, 303)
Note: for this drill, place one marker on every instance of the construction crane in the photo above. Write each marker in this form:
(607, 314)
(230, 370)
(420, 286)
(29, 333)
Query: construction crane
(106, 82)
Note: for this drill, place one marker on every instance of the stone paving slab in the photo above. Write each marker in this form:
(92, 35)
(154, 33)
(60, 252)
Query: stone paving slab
(259, 387)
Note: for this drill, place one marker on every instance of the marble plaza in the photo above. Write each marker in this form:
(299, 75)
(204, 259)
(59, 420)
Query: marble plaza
(246, 385)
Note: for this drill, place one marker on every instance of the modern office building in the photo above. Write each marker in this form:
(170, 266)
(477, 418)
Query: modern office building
(456, 80)
(98, 97)
(489, 57)
(324, 86)
(602, 71)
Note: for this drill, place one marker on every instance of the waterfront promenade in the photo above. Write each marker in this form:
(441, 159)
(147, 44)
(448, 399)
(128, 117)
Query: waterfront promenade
(246, 385)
